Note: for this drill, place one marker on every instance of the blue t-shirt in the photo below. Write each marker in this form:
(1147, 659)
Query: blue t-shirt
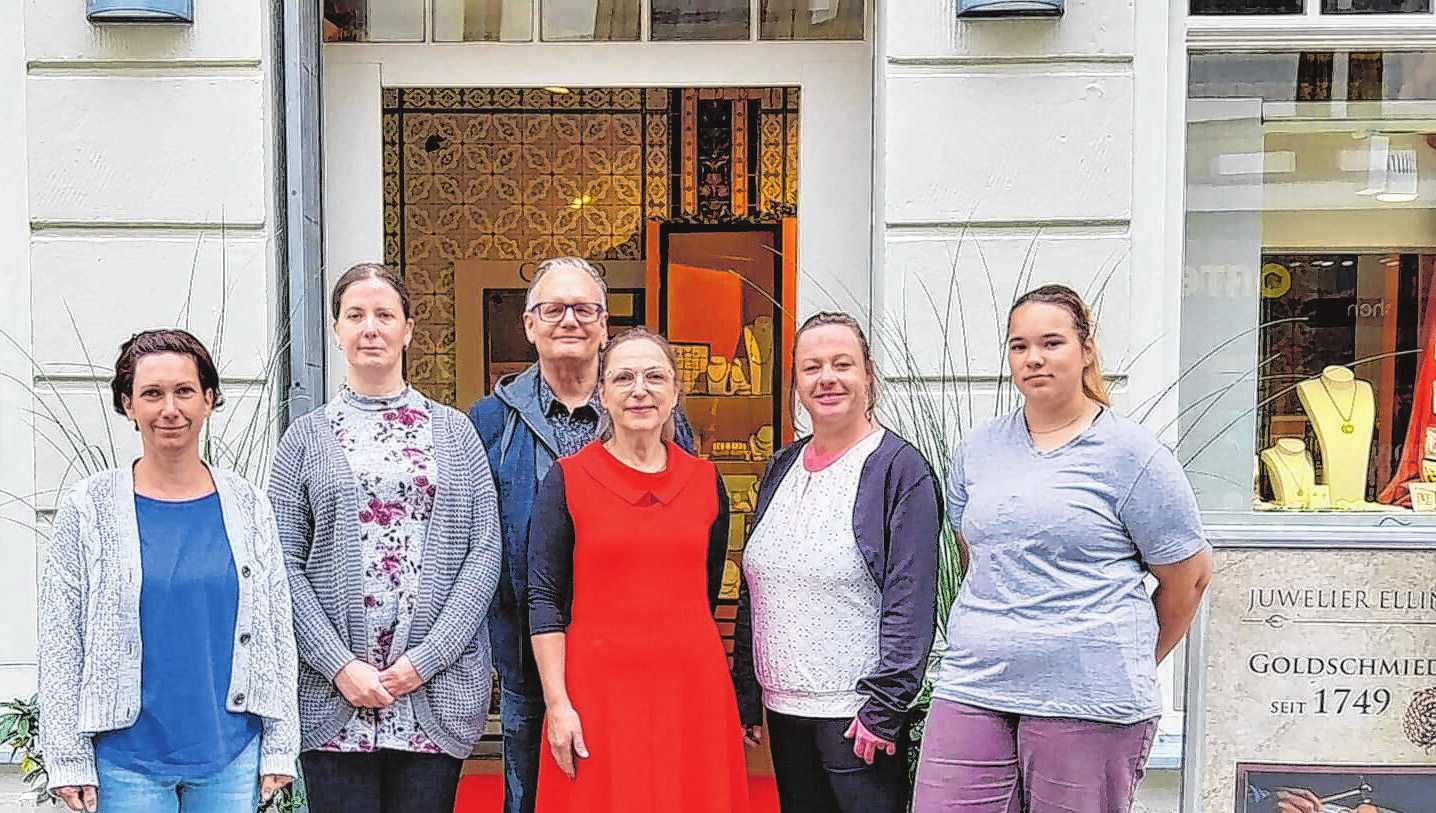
(1053, 619)
(189, 600)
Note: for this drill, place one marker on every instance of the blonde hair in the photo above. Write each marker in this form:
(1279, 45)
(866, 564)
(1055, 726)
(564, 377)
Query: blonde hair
(825, 318)
(633, 334)
(1094, 384)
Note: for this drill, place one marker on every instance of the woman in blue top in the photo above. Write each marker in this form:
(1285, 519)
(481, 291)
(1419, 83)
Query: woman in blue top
(167, 658)
(1047, 697)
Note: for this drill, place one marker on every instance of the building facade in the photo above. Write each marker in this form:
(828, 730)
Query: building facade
(1200, 169)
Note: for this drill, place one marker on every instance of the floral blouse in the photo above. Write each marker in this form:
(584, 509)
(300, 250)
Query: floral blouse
(389, 444)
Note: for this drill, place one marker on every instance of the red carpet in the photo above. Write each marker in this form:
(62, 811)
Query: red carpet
(484, 793)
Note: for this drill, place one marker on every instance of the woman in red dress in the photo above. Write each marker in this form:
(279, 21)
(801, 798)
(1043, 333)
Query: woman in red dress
(626, 550)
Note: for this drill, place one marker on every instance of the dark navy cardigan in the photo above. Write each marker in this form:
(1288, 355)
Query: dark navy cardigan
(897, 520)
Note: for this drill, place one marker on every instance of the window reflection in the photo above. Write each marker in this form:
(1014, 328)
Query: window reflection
(483, 20)
(813, 19)
(1245, 7)
(699, 20)
(374, 20)
(1308, 378)
(1375, 6)
(587, 20)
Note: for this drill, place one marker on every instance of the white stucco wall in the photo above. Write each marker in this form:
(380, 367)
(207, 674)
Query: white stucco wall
(138, 165)
(17, 542)
(1016, 152)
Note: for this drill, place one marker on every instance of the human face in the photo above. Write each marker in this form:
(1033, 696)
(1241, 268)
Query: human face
(371, 327)
(1045, 355)
(167, 404)
(567, 339)
(639, 388)
(832, 379)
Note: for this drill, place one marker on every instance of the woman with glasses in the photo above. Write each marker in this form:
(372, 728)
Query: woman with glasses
(626, 551)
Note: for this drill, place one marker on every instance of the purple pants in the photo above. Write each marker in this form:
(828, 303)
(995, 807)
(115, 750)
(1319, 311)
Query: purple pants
(980, 761)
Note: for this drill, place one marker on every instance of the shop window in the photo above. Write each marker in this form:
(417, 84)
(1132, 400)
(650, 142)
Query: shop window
(374, 20)
(1246, 7)
(483, 20)
(590, 20)
(1375, 6)
(699, 19)
(1262, 7)
(813, 20)
(1308, 348)
(605, 20)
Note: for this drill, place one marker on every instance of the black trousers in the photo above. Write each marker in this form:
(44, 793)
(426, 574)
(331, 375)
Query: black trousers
(381, 782)
(817, 771)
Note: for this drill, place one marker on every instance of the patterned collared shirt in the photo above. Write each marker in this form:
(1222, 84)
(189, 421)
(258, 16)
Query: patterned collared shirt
(573, 429)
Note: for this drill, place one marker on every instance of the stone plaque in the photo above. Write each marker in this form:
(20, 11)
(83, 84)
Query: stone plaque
(1316, 681)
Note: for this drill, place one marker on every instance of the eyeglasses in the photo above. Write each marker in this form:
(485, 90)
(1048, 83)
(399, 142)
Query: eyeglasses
(554, 312)
(654, 379)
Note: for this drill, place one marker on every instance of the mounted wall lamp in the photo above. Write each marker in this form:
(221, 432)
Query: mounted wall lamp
(1009, 8)
(140, 11)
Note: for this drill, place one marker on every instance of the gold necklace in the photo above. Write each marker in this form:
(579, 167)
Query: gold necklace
(1280, 460)
(1347, 426)
(1032, 431)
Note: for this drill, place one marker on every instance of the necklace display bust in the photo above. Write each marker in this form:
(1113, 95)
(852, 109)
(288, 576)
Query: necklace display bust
(1342, 410)
(1291, 471)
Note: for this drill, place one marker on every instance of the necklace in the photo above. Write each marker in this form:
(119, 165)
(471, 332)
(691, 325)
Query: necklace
(1300, 481)
(1347, 426)
(1032, 431)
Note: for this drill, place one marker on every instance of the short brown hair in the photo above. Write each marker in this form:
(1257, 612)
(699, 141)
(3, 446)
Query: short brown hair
(1094, 384)
(363, 271)
(164, 340)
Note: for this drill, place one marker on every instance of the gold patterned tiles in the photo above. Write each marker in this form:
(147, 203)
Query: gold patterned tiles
(523, 174)
(512, 174)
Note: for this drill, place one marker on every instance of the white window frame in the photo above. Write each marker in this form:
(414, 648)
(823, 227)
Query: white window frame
(755, 22)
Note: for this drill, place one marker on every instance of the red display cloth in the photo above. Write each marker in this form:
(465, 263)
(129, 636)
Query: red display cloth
(1414, 448)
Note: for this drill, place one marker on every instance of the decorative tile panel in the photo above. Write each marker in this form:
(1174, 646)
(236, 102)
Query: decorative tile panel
(524, 174)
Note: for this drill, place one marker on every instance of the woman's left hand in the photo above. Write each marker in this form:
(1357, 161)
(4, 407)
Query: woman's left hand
(866, 743)
(400, 678)
(270, 784)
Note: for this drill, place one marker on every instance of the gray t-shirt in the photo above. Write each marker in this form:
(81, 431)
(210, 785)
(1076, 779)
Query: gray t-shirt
(1053, 619)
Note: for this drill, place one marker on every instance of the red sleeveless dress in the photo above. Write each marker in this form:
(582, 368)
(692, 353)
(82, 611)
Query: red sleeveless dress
(646, 668)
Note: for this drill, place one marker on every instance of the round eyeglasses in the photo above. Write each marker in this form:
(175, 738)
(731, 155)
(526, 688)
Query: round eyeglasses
(554, 312)
(627, 380)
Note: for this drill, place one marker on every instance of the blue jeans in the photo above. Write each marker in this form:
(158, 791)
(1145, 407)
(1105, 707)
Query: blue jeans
(234, 789)
(817, 772)
(522, 718)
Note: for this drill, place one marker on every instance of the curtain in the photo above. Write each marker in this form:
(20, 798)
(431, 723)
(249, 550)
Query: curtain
(1414, 449)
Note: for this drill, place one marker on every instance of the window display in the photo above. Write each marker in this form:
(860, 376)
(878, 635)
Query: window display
(719, 293)
(1309, 332)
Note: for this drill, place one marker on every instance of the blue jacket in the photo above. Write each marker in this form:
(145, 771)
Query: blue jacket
(521, 448)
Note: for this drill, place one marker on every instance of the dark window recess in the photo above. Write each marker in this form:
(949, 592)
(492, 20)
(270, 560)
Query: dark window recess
(699, 20)
(1375, 6)
(1228, 7)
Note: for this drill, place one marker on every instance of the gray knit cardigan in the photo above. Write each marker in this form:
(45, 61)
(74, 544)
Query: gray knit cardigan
(315, 496)
(90, 648)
